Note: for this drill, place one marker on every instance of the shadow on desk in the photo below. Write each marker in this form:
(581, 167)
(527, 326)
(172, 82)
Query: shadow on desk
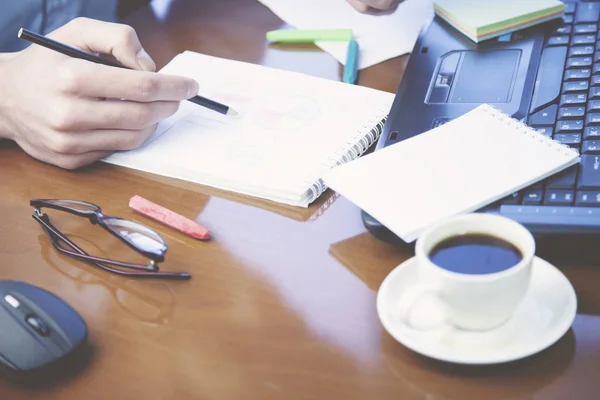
(301, 214)
(579, 259)
(66, 369)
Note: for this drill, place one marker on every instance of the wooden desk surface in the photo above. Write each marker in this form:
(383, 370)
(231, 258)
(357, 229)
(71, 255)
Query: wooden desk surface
(282, 301)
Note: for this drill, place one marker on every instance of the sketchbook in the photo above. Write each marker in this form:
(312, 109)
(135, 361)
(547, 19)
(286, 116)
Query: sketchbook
(461, 166)
(290, 129)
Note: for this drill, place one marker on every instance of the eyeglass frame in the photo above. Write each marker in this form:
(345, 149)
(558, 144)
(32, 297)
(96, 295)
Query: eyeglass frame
(96, 217)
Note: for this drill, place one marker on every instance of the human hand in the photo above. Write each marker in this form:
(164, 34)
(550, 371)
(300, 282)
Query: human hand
(70, 112)
(368, 5)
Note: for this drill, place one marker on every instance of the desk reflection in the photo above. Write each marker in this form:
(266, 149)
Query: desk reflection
(434, 380)
(148, 301)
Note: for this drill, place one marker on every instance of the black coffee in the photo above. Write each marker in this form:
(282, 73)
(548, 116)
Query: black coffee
(475, 254)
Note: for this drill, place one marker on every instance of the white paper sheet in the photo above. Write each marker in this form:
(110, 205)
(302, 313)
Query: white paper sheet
(459, 167)
(380, 37)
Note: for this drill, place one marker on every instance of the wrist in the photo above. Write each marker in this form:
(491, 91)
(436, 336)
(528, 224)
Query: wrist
(5, 130)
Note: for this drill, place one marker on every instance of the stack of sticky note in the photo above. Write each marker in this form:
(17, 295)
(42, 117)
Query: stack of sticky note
(485, 19)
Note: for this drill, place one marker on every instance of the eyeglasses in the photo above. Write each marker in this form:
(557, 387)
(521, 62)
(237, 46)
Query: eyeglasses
(139, 237)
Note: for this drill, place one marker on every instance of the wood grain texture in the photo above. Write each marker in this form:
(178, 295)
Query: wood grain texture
(281, 304)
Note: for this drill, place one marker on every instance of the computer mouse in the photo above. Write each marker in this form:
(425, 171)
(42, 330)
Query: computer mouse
(38, 331)
(381, 232)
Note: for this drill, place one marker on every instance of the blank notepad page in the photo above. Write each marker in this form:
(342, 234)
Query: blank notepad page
(291, 128)
(458, 167)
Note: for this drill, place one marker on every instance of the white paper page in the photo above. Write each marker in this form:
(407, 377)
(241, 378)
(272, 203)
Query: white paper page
(289, 128)
(380, 37)
(458, 167)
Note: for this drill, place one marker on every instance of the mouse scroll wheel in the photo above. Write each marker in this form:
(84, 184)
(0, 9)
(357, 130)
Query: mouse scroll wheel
(38, 325)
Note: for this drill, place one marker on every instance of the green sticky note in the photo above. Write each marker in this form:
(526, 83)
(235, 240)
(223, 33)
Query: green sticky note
(307, 36)
(481, 20)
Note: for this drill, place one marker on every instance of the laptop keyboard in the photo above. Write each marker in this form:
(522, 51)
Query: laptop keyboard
(569, 72)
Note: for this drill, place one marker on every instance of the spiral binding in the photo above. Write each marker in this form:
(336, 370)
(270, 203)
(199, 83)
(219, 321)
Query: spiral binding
(520, 126)
(351, 150)
(321, 210)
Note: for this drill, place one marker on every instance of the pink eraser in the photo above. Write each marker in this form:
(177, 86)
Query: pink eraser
(168, 218)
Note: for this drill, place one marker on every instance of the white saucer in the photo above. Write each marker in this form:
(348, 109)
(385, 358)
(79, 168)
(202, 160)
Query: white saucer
(545, 315)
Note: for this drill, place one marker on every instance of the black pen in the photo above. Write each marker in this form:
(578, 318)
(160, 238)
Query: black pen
(76, 53)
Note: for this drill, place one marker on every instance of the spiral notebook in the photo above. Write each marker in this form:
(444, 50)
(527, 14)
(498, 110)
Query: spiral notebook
(461, 166)
(291, 128)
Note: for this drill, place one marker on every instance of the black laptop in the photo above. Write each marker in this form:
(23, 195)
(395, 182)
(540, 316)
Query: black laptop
(547, 76)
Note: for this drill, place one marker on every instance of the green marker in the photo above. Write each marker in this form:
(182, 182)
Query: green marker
(309, 36)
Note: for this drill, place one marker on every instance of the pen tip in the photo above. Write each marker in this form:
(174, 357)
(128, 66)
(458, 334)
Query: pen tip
(20, 33)
(232, 112)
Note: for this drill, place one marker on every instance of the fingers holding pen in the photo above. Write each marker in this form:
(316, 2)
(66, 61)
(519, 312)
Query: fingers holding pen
(86, 114)
(80, 111)
(84, 79)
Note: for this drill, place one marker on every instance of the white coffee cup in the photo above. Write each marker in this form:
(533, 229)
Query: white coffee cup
(474, 302)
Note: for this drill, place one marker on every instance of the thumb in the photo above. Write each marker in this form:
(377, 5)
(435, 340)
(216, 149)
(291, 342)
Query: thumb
(359, 5)
(118, 40)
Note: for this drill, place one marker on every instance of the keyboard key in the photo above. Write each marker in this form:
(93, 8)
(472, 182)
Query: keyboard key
(570, 8)
(594, 93)
(569, 99)
(595, 81)
(591, 147)
(549, 77)
(575, 147)
(571, 112)
(593, 105)
(512, 209)
(545, 130)
(578, 62)
(592, 119)
(573, 74)
(575, 86)
(591, 132)
(587, 198)
(585, 28)
(558, 41)
(568, 19)
(580, 39)
(581, 51)
(533, 197)
(596, 69)
(568, 138)
(546, 116)
(514, 198)
(565, 179)
(587, 12)
(569, 126)
(563, 30)
(589, 172)
(559, 197)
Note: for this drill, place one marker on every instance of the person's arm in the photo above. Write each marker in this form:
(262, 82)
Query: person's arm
(4, 131)
(368, 5)
(71, 112)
